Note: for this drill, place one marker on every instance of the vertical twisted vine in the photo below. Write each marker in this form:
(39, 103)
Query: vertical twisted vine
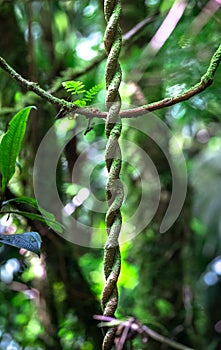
(114, 188)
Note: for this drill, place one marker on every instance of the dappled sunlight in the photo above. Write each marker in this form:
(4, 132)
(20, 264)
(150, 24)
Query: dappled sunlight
(76, 201)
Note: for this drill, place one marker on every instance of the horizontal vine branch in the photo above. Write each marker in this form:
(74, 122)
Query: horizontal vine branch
(32, 86)
(69, 107)
(132, 326)
(205, 82)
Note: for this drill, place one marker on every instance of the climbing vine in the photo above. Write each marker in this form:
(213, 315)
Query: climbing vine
(114, 188)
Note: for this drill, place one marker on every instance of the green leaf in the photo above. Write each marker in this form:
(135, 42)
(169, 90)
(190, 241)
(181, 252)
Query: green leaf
(54, 225)
(45, 216)
(91, 93)
(29, 240)
(11, 144)
(77, 87)
(80, 103)
(24, 200)
(74, 87)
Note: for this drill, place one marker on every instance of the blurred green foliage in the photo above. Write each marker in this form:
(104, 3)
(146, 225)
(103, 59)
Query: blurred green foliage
(169, 281)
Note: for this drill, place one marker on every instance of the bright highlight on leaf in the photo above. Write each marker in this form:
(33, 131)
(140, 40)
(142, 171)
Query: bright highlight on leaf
(10, 145)
(77, 88)
(29, 240)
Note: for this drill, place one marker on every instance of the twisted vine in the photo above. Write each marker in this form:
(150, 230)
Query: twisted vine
(114, 188)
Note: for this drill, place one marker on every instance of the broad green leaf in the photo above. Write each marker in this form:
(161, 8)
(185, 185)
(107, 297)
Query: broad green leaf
(54, 225)
(24, 200)
(29, 240)
(45, 216)
(11, 144)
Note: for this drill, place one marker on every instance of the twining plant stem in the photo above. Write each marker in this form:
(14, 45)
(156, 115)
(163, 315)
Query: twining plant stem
(114, 188)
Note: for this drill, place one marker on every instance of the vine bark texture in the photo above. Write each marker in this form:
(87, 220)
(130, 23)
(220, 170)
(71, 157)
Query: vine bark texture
(114, 188)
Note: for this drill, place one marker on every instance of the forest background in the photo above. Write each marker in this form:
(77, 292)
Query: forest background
(169, 281)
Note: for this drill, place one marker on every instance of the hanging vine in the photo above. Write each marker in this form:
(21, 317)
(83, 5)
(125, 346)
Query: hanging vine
(114, 188)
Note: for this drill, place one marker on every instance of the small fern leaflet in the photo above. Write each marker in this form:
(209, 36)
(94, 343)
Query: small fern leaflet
(74, 87)
(77, 88)
(91, 93)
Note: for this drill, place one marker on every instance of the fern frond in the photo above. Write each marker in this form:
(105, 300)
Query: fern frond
(74, 87)
(77, 88)
(80, 103)
(91, 93)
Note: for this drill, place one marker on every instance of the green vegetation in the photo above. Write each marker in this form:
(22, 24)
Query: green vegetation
(53, 174)
(77, 88)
